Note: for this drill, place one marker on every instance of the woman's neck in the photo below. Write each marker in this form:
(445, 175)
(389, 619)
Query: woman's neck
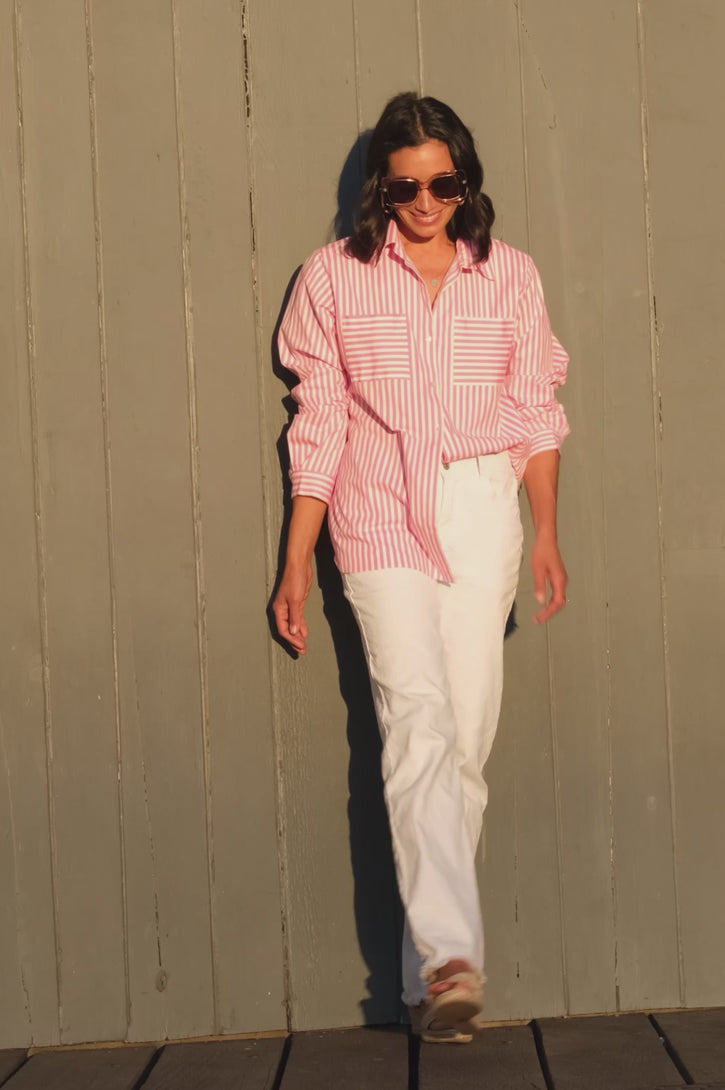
(430, 251)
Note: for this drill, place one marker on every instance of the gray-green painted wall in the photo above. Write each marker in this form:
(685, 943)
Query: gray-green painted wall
(192, 838)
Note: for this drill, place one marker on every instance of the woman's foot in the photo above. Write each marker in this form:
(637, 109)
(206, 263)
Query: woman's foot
(438, 1034)
(443, 981)
(455, 997)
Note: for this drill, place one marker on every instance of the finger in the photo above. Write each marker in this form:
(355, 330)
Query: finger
(556, 602)
(297, 623)
(553, 607)
(290, 631)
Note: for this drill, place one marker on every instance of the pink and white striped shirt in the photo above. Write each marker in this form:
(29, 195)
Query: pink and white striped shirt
(391, 386)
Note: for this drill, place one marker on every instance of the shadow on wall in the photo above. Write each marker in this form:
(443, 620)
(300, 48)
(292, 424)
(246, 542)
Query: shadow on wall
(378, 914)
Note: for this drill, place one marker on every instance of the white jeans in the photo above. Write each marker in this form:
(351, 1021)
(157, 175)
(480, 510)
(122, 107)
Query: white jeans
(435, 655)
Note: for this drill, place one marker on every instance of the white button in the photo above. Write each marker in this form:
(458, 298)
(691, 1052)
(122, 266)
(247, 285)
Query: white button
(430, 339)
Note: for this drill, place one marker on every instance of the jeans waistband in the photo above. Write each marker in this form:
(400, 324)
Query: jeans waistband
(479, 463)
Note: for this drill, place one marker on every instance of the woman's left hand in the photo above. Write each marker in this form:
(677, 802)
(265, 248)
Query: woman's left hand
(549, 572)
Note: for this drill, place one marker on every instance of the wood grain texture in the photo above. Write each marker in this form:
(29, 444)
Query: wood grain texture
(687, 170)
(577, 639)
(613, 768)
(622, 1052)
(646, 924)
(218, 1065)
(696, 596)
(698, 1039)
(94, 1069)
(79, 671)
(237, 716)
(385, 63)
(338, 884)
(354, 1057)
(28, 999)
(505, 1058)
(155, 550)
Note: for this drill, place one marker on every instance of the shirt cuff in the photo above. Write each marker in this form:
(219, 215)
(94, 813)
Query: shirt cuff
(545, 440)
(318, 485)
(537, 444)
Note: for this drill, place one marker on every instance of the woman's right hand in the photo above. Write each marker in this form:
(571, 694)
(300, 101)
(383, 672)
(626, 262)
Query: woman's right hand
(289, 605)
(308, 514)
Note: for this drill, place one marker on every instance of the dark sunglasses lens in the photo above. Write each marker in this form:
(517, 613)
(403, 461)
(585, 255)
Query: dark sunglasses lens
(446, 188)
(402, 191)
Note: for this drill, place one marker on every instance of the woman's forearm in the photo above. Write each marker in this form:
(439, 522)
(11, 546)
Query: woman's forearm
(308, 514)
(541, 478)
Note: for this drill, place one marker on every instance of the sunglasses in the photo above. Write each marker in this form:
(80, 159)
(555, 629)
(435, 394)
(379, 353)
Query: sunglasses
(449, 188)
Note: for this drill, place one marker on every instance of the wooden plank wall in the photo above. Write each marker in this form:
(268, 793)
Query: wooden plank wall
(192, 835)
(140, 884)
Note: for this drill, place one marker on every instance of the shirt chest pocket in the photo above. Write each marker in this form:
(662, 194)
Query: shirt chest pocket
(482, 349)
(376, 347)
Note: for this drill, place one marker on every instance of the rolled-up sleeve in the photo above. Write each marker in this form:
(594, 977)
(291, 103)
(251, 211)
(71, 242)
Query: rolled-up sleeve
(308, 346)
(538, 366)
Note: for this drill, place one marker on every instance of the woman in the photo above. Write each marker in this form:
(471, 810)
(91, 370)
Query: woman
(427, 372)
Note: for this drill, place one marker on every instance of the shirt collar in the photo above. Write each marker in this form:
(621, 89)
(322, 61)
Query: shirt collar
(393, 243)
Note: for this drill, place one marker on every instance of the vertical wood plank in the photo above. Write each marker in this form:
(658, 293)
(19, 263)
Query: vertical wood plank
(386, 62)
(471, 62)
(588, 231)
(171, 985)
(73, 520)
(237, 707)
(340, 929)
(687, 172)
(28, 999)
(520, 879)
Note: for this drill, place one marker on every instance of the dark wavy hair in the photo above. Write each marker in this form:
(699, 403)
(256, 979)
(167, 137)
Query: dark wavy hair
(409, 121)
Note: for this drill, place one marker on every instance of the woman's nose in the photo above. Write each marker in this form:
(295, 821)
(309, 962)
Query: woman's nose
(425, 201)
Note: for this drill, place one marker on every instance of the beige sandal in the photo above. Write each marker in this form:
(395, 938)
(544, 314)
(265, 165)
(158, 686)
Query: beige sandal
(439, 1035)
(445, 1018)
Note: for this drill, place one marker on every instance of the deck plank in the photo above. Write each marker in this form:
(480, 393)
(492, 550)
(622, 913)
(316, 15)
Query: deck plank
(218, 1065)
(84, 1069)
(504, 1058)
(10, 1060)
(698, 1038)
(606, 1053)
(342, 1059)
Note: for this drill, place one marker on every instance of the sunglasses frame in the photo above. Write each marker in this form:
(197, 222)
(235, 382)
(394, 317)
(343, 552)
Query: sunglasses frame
(459, 174)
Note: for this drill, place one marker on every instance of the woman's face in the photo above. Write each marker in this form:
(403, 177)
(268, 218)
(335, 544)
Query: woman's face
(426, 218)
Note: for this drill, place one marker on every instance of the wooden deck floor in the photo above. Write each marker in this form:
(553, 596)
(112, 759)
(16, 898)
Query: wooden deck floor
(629, 1052)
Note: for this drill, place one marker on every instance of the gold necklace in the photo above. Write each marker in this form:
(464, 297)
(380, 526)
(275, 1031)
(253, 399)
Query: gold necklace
(435, 280)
